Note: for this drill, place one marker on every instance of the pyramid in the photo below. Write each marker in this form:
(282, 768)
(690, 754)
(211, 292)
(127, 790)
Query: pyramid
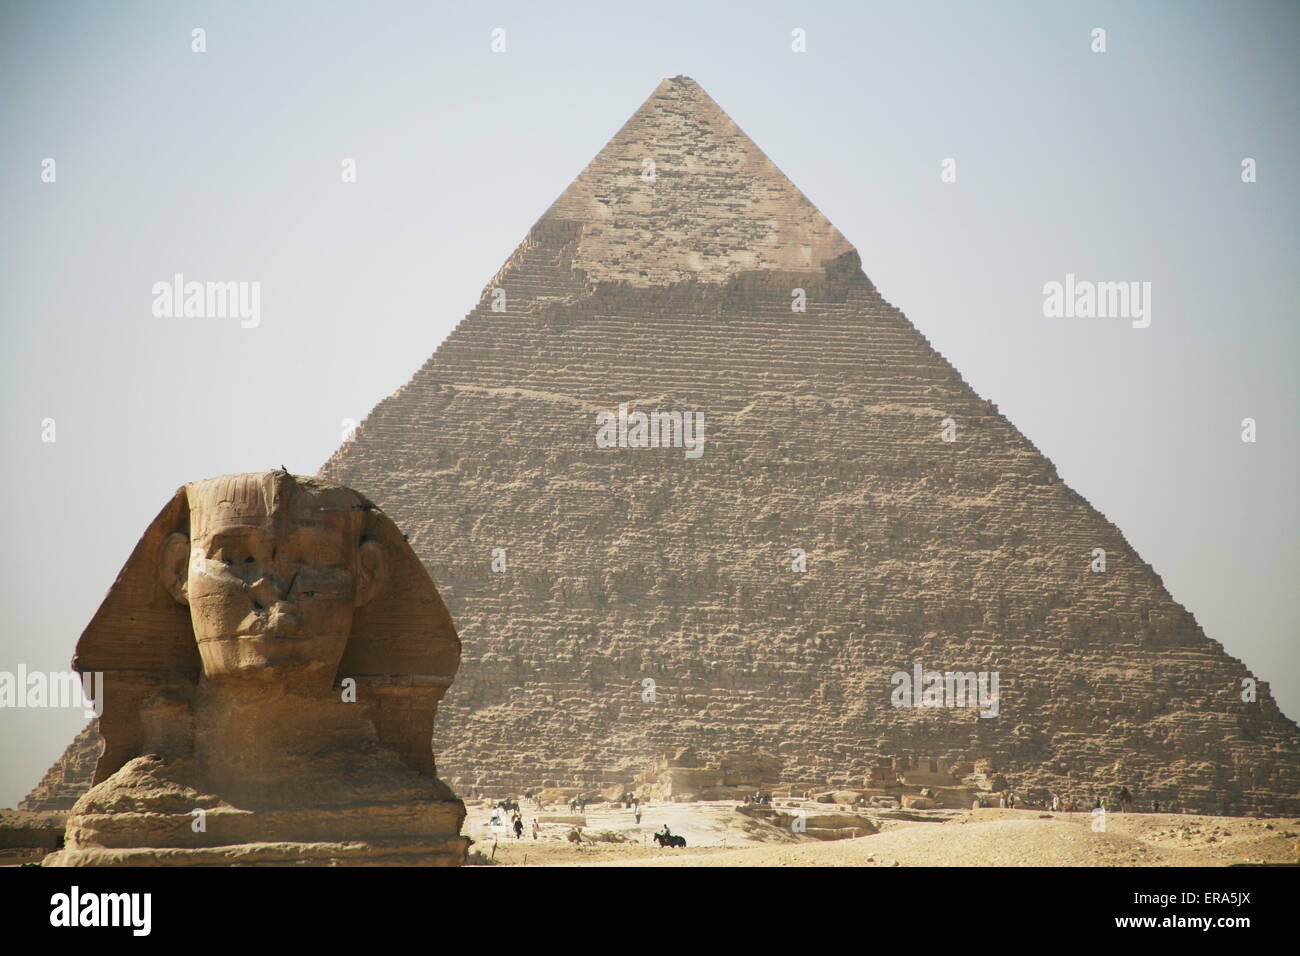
(855, 510)
(663, 279)
(70, 775)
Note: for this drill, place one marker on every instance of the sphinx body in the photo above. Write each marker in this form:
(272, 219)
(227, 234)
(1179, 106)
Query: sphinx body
(273, 654)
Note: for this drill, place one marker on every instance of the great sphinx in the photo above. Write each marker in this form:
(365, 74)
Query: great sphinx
(273, 654)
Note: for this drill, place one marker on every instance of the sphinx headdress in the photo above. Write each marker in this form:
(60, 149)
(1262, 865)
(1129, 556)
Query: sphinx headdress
(402, 651)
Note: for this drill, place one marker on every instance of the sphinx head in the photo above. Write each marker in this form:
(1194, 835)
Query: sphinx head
(277, 583)
(272, 569)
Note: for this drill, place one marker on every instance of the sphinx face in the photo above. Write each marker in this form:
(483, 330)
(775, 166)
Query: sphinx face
(274, 577)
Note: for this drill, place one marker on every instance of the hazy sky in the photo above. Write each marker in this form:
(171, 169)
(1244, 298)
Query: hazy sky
(225, 165)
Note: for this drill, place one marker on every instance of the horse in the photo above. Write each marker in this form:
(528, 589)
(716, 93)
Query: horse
(670, 839)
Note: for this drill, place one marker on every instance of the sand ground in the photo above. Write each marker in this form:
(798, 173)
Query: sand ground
(717, 835)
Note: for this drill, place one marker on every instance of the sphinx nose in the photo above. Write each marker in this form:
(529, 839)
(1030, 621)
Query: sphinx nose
(268, 590)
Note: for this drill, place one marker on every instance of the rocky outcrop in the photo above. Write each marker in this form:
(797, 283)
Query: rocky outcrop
(28, 836)
(679, 773)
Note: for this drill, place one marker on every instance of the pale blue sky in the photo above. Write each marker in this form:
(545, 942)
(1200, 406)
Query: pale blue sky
(225, 165)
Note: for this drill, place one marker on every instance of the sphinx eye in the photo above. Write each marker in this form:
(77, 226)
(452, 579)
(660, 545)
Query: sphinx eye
(229, 557)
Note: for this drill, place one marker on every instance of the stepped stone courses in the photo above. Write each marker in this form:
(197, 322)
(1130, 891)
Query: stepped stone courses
(70, 776)
(822, 433)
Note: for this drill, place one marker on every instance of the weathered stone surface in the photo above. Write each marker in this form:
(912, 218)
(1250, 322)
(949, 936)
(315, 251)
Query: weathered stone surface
(26, 836)
(749, 769)
(678, 774)
(303, 734)
(823, 432)
(819, 826)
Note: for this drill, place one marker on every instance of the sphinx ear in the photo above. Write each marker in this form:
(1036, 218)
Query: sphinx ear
(174, 566)
(371, 572)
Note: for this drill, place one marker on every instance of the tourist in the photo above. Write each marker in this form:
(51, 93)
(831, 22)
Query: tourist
(536, 828)
(519, 828)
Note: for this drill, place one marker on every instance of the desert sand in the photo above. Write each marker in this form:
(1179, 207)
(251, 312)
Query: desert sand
(718, 835)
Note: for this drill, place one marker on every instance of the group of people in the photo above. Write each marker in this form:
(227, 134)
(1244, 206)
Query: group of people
(507, 813)
(1007, 801)
(1098, 803)
(516, 819)
(758, 797)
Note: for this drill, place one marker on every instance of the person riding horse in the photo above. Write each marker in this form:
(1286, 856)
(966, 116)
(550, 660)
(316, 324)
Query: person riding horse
(666, 838)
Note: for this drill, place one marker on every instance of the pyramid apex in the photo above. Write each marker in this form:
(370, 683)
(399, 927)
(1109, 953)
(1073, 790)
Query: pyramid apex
(681, 83)
(682, 194)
